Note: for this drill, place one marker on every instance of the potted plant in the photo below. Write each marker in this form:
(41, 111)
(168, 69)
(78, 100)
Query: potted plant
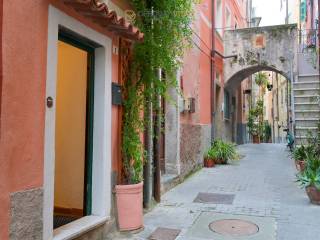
(223, 151)
(267, 132)
(255, 122)
(129, 196)
(253, 126)
(209, 158)
(299, 155)
(310, 179)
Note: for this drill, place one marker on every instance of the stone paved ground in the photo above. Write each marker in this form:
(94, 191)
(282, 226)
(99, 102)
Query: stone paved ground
(264, 186)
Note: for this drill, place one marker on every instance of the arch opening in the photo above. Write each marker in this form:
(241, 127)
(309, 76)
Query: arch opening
(235, 80)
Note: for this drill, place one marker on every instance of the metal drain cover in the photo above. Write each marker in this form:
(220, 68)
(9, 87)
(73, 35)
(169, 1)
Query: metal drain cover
(214, 198)
(234, 227)
(164, 234)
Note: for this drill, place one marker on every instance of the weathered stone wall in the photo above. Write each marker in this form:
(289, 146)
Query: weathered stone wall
(195, 140)
(26, 215)
(263, 48)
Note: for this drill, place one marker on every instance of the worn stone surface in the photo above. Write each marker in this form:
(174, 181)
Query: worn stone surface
(96, 234)
(266, 191)
(164, 234)
(215, 198)
(26, 220)
(275, 54)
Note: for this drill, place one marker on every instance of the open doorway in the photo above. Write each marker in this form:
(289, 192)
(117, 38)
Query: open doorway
(73, 134)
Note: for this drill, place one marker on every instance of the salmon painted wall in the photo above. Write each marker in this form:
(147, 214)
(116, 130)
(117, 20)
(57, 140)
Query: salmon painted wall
(196, 69)
(237, 11)
(23, 92)
(24, 54)
(205, 61)
(196, 76)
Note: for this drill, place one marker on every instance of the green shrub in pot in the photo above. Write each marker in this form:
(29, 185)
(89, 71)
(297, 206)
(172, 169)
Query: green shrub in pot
(310, 178)
(224, 151)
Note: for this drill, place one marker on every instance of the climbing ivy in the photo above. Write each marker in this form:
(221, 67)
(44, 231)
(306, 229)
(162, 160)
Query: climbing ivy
(166, 25)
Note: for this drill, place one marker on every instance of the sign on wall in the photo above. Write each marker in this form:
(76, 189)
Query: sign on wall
(259, 41)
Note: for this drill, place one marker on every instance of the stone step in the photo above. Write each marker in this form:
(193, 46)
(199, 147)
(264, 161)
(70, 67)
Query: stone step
(307, 114)
(306, 91)
(300, 141)
(311, 84)
(306, 131)
(308, 77)
(311, 122)
(306, 98)
(306, 106)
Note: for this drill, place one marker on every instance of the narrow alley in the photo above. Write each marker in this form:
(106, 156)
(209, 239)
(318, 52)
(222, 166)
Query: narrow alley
(160, 120)
(260, 188)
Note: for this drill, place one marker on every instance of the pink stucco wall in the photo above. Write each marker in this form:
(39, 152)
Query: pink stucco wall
(24, 54)
(196, 69)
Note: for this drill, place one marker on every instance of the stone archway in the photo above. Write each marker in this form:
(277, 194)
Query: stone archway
(244, 73)
(270, 48)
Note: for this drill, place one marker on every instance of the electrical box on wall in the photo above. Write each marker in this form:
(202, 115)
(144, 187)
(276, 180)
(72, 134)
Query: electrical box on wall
(116, 94)
(189, 105)
(192, 103)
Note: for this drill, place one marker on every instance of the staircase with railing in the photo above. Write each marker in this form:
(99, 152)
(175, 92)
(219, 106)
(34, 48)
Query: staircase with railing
(306, 88)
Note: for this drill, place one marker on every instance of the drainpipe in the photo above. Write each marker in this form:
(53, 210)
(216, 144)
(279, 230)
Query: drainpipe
(157, 124)
(148, 167)
(147, 170)
(300, 33)
(212, 68)
(273, 105)
(319, 34)
(278, 132)
(287, 12)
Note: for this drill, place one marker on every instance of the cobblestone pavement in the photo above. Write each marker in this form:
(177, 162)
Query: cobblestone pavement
(264, 186)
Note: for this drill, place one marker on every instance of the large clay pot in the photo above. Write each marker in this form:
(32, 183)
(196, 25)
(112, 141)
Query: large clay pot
(209, 162)
(256, 139)
(313, 194)
(129, 206)
(219, 161)
(302, 165)
(297, 165)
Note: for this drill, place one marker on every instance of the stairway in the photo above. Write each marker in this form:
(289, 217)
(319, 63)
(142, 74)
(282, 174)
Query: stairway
(306, 92)
(306, 104)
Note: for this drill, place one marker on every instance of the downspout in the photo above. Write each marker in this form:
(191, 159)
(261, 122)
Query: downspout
(278, 132)
(300, 33)
(212, 68)
(319, 35)
(273, 105)
(148, 167)
(157, 133)
(1, 75)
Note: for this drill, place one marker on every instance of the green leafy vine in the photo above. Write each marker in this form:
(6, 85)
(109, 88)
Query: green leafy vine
(167, 34)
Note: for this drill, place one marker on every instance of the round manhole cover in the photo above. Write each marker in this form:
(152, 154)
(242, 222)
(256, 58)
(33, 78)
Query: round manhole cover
(234, 227)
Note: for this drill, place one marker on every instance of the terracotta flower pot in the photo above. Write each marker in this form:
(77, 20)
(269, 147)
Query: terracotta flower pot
(256, 139)
(209, 163)
(220, 161)
(313, 194)
(129, 206)
(297, 165)
(302, 165)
